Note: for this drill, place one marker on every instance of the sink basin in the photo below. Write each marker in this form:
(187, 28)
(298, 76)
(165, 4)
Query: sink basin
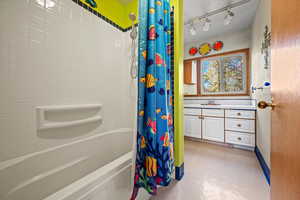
(221, 106)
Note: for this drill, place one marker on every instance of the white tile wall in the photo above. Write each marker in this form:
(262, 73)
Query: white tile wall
(59, 56)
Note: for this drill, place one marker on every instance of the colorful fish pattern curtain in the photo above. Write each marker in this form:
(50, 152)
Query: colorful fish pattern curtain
(155, 136)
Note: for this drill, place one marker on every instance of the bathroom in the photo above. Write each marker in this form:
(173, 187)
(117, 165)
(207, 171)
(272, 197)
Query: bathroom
(81, 120)
(225, 77)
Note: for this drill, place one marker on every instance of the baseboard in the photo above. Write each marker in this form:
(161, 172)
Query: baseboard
(263, 164)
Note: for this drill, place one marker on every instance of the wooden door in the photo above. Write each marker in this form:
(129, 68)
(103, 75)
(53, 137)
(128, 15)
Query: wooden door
(193, 126)
(285, 153)
(213, 129)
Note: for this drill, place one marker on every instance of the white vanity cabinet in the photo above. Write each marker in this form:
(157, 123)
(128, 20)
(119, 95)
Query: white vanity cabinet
(213, 129)
(193, 126)
(205, 124)
(240, 127)
(230, 126)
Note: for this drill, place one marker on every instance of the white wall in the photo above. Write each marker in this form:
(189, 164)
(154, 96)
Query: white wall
(259, 76)
(59, 56)
(232, 42)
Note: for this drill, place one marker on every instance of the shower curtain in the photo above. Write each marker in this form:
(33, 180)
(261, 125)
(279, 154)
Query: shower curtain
(155, 154)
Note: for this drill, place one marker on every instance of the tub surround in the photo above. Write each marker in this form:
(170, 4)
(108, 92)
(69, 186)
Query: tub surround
(100, 184)
(60, 55)
(87, 162)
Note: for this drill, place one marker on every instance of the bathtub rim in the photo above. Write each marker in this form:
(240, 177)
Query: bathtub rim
(94, 180)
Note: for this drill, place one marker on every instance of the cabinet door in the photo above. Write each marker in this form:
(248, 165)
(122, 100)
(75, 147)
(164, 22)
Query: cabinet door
(192, 126)
(187, 72)
(213, 129)
(190, 72)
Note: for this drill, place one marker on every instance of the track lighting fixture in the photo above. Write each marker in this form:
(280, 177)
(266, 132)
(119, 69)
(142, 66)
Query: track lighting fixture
(228, 18)
(207, 22)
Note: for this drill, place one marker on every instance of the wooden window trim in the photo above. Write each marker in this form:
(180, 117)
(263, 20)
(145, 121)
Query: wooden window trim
(199, 94)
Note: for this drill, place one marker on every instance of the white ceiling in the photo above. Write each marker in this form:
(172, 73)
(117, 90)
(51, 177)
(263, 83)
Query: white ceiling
(244, 16)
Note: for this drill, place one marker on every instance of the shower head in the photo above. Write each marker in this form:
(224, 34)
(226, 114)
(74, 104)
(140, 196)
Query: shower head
(132, 16)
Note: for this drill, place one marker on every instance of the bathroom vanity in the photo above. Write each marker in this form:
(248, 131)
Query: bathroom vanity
(225, 124)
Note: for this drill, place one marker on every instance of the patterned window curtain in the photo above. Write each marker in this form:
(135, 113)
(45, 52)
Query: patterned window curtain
(155, 132)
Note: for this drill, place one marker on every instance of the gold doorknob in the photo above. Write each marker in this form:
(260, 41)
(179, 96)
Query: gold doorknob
(263, 105)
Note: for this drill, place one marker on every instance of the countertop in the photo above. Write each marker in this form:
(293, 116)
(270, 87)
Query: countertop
(238, 107)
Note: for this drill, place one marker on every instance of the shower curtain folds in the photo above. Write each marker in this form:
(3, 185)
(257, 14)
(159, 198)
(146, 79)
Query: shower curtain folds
(155, 131)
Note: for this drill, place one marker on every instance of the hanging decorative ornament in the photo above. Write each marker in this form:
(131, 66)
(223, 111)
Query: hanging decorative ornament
(204, 49)
(193, 51)
(265, 47)
(218, 45)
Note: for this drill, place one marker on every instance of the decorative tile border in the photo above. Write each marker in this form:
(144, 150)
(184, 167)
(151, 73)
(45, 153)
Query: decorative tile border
(179, 172)
(102, 16)
(129, 28)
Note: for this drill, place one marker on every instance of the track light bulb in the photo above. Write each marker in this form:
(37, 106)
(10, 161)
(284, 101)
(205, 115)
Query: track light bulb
(193, 30)
(207, 24)
(228, 18)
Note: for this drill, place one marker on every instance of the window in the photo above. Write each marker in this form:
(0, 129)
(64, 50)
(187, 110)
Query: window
(224, 74)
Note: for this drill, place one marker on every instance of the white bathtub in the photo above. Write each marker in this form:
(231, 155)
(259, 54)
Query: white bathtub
(111, 182)
(98, 167)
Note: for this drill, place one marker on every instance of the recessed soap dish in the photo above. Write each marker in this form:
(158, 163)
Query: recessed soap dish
(44, 124)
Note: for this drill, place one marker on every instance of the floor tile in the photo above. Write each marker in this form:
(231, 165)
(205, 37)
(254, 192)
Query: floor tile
(214, 172)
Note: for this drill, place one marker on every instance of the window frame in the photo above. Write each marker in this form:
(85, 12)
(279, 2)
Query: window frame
(198, 60)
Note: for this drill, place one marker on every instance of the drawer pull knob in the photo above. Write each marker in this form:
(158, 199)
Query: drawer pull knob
(239, 114)
(239, 125)
(239, 138)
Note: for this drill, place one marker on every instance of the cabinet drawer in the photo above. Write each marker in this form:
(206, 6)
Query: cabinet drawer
(188, 111)
(242, 125)
(240, 138)
(244, 114)
(213, 112)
